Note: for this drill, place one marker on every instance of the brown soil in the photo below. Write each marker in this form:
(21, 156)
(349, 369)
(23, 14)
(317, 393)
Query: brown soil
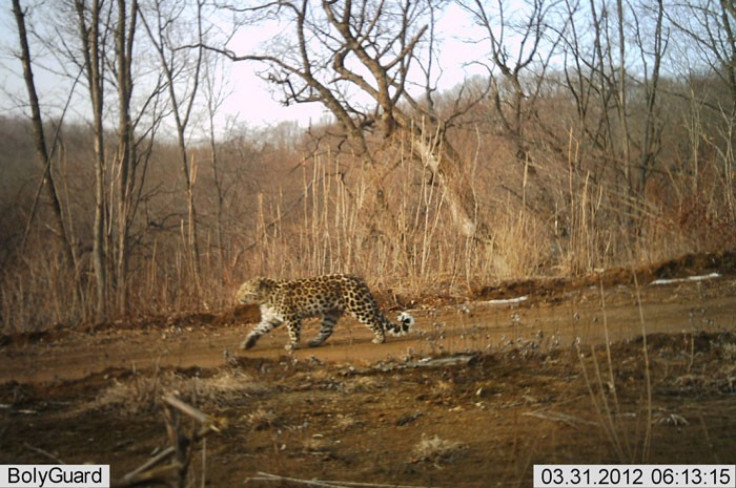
(475, 396)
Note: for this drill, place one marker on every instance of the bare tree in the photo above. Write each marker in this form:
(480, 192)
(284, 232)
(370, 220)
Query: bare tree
(359, 60)
(581, 71)
(651, 59)
(214, 93)
(709, 29)
(182, 72)
(620, 77)
(518, 43)
(103, 49)
(706, 36)
(126, 154)
(42, 152)
(610, 57)
(93, 49)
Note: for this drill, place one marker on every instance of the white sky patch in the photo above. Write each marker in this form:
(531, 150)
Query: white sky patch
(258, 102)
(250, 99)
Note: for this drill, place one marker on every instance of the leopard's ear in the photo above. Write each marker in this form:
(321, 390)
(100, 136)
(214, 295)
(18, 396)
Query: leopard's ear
(264, 283)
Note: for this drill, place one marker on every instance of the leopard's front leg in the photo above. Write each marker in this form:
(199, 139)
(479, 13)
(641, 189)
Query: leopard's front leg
(264, 327)
(294, 327)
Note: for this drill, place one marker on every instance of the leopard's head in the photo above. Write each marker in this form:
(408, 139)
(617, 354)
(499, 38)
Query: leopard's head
(255, 290)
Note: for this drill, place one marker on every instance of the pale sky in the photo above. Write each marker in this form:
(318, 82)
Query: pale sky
(250, 100)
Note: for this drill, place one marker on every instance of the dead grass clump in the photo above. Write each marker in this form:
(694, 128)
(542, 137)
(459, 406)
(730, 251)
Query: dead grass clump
(344, 422)
(436, 451)
(261, 419)
(142, 394)
(317, 444)
(363, 384)
(728, 351)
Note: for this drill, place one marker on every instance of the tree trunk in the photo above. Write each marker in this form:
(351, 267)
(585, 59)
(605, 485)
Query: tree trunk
(42, 154)
(91, 50)
(126, 150)
(440, 157)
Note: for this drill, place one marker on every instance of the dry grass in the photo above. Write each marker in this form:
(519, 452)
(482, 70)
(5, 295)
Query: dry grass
(329, 212)
(143, 393)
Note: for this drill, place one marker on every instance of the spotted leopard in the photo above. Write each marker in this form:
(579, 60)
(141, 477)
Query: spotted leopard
(288, 302)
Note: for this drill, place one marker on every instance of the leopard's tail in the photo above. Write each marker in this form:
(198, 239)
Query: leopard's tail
(405, 322)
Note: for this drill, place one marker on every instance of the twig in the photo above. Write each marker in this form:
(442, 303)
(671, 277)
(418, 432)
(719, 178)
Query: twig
(43, 453)
(208, 423)
(133, 475)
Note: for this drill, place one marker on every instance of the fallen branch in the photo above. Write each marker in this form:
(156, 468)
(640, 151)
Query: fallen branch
(261, 476)
(173, 473)
(196, 414)
(570, 420)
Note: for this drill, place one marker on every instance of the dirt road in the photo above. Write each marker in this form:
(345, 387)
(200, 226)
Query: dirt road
(622, 311)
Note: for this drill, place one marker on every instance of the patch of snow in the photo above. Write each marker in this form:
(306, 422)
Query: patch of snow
(663, 281)
(508, 301)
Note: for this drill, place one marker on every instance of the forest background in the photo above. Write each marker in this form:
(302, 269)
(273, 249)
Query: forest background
(587, 134)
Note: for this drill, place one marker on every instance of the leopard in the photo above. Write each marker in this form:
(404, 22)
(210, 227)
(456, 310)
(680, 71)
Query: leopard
(330, 296)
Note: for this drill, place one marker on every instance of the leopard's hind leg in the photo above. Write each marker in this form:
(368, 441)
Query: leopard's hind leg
(371, 317)
(329, 319)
